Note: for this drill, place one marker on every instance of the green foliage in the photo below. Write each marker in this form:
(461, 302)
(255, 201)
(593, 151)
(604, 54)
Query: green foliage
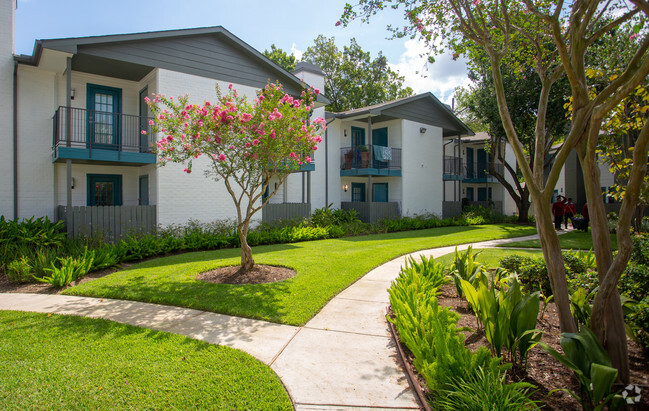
(587, 358)
(581, 304)
(639, 319)
(465, 267)
(508, 316)
(352, 78)
(427, 275)
(640, 253)
(69, 269)
(327, 216)
(431, 333)
(30, 234)
(19, 270)
(634, 283)
(487, 391)
(281, 58)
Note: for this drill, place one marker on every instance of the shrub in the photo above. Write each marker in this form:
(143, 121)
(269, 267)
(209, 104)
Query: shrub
(634, 282)
(639, 318)
(430, 331)
(70, 269)
(487, 391)
(465, 267)
(19, 270)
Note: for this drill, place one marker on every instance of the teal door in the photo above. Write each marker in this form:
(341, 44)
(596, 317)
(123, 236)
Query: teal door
(358, 140)
(482, 163)
(469, 193)
(380, 191)
(144, 190)
(470, 167)
(379, 139)
(104, 106)
(143, 121)
(482, 193)
(358, 192)
(104, 190)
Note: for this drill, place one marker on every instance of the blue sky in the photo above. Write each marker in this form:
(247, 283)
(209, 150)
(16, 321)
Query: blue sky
(289, 24)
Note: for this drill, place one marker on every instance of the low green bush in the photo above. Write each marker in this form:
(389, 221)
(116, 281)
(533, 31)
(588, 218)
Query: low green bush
(68, 269)
(639, 320)
(19, 270)
(430, 331)
(487, 391)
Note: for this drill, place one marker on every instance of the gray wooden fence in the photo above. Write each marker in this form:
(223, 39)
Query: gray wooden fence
(109, 222)
(285, 211)
(372, 212)
(451, 209)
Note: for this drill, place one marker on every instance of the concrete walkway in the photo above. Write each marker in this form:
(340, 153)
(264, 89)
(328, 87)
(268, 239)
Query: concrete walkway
(344, 358)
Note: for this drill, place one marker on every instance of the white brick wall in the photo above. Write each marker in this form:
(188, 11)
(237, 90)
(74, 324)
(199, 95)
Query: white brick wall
(184, 196)
(6, 106)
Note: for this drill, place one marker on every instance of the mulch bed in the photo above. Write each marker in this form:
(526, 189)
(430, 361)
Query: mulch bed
(543, 370)
(259, 274)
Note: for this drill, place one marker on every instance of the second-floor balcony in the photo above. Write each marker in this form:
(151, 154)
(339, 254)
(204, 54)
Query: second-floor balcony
(370, 160)
(455, 168)
(97, 136)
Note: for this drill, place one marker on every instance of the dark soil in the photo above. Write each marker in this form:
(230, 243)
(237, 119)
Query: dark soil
(8, 286)
(543, 370)
(259, 274)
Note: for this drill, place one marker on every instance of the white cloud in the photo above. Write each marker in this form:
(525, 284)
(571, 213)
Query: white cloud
(441, 78)
(297, 53)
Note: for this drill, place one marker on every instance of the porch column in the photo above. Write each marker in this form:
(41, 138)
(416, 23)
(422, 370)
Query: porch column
(303, 196)
(308, 187)
(68, 138)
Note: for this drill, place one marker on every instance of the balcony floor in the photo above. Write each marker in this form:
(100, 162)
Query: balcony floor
(85, 155)
(370, 172)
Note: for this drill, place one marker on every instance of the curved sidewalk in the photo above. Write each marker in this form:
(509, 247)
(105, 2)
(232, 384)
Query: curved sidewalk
(343, 358)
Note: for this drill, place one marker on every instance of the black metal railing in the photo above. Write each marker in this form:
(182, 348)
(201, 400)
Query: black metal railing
(452, 165)
(370, 156)
(89, 129)
(480, 169)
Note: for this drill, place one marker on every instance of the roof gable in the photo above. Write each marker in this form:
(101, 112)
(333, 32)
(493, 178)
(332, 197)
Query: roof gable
(211, 52)
(423, 108)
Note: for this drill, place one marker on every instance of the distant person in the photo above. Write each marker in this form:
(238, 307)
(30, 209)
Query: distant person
(558, 211)
(584, 212)
(569, 210)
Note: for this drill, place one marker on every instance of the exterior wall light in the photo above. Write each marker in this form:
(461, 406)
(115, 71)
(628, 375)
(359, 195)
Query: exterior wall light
(422, 130)
(345, 187)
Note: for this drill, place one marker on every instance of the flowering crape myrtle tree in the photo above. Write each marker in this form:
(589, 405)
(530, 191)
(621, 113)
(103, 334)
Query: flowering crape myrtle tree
(555, 38)
(247, 143)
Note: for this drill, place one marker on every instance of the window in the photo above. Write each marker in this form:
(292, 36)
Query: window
(380, 191)
(104, 190)
(358, 192)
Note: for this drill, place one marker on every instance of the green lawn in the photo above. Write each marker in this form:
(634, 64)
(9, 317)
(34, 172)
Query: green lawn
(489, 257)
(56, 362)
(575, 240)
(324, 268)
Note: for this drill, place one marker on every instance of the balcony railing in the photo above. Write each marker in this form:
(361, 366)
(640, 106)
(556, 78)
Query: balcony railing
(77, 128)
(452, 165)
(480, 170)
(371, 156)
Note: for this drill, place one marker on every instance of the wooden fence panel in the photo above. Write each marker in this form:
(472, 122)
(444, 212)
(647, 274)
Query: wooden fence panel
(110, 222)
(285, 211)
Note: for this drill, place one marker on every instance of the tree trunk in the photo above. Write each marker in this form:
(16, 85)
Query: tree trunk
(523, 210)
(607, 319)
(554, 260)
(637, 221)
(247, 262)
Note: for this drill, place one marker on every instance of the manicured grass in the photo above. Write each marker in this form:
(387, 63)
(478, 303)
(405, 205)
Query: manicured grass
(324, 268)
(489, 257)
(56, 362)
(575, 240)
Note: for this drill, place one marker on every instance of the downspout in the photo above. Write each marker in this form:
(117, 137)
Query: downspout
(327, 160)
(15, 139)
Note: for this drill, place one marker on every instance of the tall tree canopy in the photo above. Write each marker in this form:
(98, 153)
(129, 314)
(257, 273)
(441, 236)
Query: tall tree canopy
(522, 88)
(554, 38)
(281, 58)
(352, 78)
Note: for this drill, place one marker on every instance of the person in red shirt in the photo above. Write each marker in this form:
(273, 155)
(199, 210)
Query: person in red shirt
(558, 211)
(569, 210)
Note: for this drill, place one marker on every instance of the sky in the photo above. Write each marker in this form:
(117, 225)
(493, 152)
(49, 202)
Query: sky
(291, 25)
